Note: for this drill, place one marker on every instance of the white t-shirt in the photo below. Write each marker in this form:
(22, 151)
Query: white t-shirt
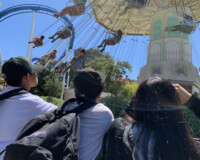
(94, 123)
(16, 112)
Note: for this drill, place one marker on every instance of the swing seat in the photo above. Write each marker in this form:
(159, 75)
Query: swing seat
(185, 28)
(137, 3)
(112, 41)
(38, 42)
(132, 4)
(64, 34)
(76, 10)
(44, 60)
(52, 56)
(80, 1)
(77, 65)
(61, 68)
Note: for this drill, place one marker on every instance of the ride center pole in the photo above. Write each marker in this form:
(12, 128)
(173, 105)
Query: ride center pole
(64, 77)
(30, 46)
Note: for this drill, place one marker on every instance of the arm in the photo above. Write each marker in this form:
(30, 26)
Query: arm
(117, 149)
(189, 100)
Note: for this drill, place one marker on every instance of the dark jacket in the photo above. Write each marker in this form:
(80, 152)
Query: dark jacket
(120, 137)
(120, 144)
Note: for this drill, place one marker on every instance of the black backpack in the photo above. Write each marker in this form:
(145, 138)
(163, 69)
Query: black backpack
(50, 136)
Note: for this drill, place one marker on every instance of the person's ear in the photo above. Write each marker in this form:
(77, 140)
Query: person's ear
(27, 77)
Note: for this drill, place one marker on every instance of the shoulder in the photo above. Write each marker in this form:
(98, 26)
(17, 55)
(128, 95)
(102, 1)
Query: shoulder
(118, 125)
(36, 102)
(99, 116)
(101, 109)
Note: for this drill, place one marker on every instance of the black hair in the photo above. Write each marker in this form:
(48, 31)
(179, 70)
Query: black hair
(42, 37)
(13, 75)
(119, 32)
(157, 106)
(83, 51)
(16, 82)
(70, 27)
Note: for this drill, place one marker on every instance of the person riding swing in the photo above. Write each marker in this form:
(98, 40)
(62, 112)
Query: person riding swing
(62, 34)
(52, 55)
(76, 10)
(38, 41)
(111, 41)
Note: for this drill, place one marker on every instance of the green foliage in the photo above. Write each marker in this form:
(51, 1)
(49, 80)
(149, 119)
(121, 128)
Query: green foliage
(53, 100)
(115, 103)
(193, 122)
(113, 70)
(105, 63)
(128, 90)
(91, 54)
(48, 85)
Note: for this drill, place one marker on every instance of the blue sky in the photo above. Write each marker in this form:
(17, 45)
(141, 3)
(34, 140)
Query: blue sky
(14, 36)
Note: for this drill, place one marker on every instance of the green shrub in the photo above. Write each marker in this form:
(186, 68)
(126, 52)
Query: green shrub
(53, 100)
(115, 103)
(193, 122)
(48, 84)
(128, 90)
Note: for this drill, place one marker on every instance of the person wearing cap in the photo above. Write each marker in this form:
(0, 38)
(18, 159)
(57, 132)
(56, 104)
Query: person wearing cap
(18, 110)
(95, 121)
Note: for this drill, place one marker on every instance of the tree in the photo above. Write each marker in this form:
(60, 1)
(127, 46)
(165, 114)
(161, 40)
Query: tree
(106, 64)
(48, 85)
(128, 90)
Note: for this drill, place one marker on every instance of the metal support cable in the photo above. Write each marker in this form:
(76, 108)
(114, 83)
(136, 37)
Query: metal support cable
(48, 27)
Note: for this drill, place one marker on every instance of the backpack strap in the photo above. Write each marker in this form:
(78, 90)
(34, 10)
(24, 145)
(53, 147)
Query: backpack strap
(82, 107)
(12, 93)
(125, 137)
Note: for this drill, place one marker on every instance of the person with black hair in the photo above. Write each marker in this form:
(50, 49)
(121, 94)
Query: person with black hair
(153, 127)
(116, 38)
(18, 110)
(95, 121)
(62, 34)
(38, 41)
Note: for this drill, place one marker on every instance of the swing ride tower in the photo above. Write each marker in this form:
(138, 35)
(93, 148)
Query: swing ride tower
(169, 51)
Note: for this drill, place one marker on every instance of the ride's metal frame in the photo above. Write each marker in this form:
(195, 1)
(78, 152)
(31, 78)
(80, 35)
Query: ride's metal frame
(29, 8)
(36, 8)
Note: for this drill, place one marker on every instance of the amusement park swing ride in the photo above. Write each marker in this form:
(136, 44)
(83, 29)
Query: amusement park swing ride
(168, 23)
